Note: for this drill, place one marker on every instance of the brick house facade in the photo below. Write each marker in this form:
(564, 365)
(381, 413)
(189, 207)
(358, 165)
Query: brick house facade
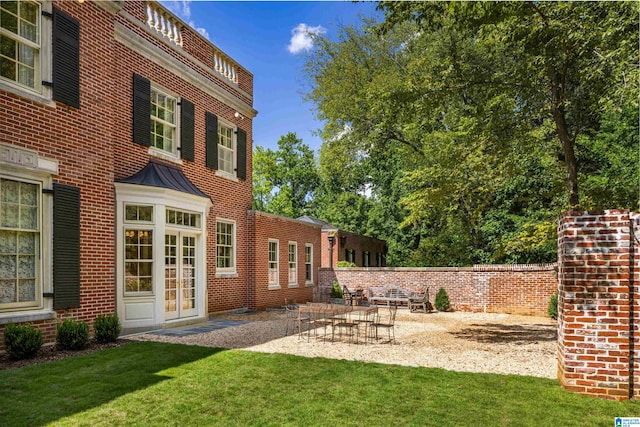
(285, 259)
(125, 165)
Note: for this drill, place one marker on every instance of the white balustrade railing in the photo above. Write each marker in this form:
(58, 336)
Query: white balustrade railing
(164, 22)
(225, 66)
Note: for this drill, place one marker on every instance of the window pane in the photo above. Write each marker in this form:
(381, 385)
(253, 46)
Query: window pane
(10, 5)
(7, 242)
(10, 191)
(29, 31)
(29, 12)
(145, 213)
(27, 267)
(7, 291)
(9, 215)
(8, 267)
(26, 290)
(7, 47)
(9, 21)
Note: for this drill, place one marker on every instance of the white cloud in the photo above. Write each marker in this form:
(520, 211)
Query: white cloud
(182, 8)
(302, 38)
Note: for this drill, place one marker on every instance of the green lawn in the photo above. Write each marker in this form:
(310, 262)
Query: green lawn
(165, 384)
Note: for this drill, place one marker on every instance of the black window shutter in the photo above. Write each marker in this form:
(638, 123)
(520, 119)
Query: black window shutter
(66, 246)
(66, 59)
(241, 162)
(211, 126)
(187, 126)
(141, 110)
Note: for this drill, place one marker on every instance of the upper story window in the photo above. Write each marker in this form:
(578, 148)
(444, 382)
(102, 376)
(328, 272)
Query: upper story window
(226, 149)
(20, 241)
(20, 47)
(163, 121)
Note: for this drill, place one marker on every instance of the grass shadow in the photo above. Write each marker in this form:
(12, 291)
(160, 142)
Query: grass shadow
(495, 333)
(41, 394)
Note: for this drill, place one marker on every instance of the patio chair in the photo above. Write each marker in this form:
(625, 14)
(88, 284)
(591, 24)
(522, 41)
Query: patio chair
(420, 302)
(294, 320)
(387, 323)
(349, 325)
(347, 296)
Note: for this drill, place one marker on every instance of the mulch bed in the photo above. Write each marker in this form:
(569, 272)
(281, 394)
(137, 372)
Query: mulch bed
(51, 352)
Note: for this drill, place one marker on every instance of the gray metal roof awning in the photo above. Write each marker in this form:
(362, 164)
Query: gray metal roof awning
(163, 175)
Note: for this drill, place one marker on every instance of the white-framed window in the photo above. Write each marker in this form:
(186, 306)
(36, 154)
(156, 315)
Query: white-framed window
(293, 263)
(20, 35)
(225, 246)
(182, 218)
(226, 149)
(274, 247)
(138, 249)
(138, 261)
(164, 121)
(21, 240)
(308, 264)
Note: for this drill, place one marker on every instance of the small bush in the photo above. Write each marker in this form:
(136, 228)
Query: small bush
(442, 300)
(336, 291)
(72, 334)
(22, 341)
(107, 328)
(345, 264)
(552, 308)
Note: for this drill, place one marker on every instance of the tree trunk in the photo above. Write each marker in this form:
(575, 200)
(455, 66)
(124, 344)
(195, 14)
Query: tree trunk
(567, 143)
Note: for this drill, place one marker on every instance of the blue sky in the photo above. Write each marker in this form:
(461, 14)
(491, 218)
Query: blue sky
(270, 40)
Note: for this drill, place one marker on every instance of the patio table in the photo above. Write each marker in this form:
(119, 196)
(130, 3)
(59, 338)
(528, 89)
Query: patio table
(361, 314)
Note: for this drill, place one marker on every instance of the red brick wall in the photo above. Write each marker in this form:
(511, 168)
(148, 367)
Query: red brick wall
(598, 273)
(231, 199)
(93, 147)
(80, 139)
(353, 241)
(284, 230)
(522, 289)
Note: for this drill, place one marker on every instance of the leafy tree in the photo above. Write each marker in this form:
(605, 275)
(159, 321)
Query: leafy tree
(566, 60)
(285, 179)
(471, 125)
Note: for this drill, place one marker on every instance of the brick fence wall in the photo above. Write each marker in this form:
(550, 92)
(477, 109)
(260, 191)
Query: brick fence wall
(597, 303)
(521, 289)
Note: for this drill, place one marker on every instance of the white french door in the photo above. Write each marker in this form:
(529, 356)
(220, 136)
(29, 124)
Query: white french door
(180, 267)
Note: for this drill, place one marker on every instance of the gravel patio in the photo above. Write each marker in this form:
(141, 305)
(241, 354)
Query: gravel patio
(458, 341)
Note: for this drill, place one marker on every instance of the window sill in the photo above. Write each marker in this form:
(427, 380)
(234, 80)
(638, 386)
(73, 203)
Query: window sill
(228, 176)
(274, 287)
(26, 316)
(229, 275)
(308, 284)
(25, 93)
(293, 285)
(169, 157)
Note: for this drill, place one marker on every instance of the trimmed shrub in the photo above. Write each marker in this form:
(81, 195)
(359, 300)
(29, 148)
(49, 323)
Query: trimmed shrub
(442, 300)
(72, 334)
(552, 308)
(22, 341)
(107, 328)
(345, 264)
(336, 290)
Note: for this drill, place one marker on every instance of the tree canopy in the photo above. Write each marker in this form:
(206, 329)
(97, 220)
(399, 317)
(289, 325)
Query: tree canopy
(459, 131)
